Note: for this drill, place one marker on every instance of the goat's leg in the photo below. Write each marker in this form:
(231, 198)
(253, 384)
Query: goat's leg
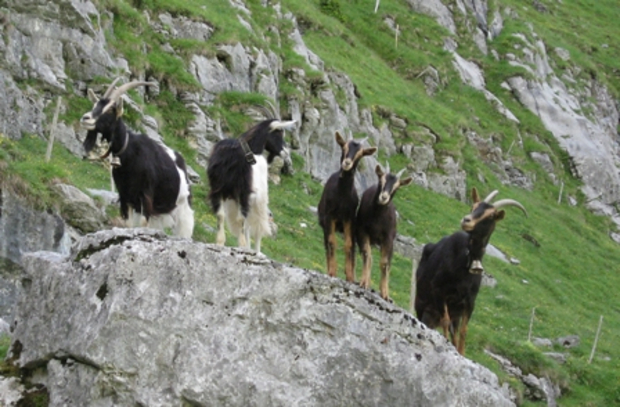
(220, 239)
(244, 231)
(367, 259)
(386, 262)
(455, 323)
(349, 250)
(329, 238)
(184, 220)
(462, 334)
(445, 321)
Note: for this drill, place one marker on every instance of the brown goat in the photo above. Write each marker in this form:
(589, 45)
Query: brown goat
(338, 205)
(450, 271)
(376, 225)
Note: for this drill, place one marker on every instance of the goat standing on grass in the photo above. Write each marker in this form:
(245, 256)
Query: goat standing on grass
(376, 225)
(238, 180)
(151, 178)
(338, 205)
(450, 272)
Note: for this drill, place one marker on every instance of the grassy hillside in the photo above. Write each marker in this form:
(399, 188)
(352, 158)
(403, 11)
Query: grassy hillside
(568, 267)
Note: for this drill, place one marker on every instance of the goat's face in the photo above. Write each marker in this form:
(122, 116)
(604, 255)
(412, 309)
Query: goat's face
(105, 112)
(484, 214)
(389, 184)
(352, 152)
(100, 119)
(274, 143)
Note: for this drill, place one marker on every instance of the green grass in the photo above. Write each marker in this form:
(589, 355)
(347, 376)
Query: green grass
(570, 277)
(5, 342)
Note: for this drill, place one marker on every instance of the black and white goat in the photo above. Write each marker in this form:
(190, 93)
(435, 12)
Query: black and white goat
(376, 225)
(152, 179)
(338, 205)
(238, 180)
(450, 272)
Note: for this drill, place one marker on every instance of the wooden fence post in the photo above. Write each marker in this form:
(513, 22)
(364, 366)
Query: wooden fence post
(598, 332)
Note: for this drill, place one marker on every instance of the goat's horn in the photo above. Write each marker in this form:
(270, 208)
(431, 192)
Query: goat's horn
(387, 167)
(110, 88)
(279, 125)
(509, 202)
(400, 173)
(127, 87)
(490, 197)
(362, 141)
(274, 114)
(260, 109)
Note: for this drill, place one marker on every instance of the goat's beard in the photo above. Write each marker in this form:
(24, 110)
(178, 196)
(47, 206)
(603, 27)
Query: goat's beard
(90, 140)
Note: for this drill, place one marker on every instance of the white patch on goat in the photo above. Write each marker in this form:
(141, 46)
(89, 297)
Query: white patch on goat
(181, 218)
(257, 223)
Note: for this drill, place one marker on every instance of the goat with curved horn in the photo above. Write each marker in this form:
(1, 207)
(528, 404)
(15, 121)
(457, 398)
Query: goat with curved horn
(238, 179)
(449, 274)
(151, 178)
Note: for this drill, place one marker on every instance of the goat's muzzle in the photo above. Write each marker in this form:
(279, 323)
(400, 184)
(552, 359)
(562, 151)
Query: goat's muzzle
(384, 198)
(467, 224)
(347, 164)
(476, 267)
(87, 122)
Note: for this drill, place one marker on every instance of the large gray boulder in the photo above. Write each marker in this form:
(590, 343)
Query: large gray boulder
(23, 229)
(135, 318)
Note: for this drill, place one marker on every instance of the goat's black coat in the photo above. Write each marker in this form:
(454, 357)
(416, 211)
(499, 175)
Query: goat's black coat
(378, 222)
(443, 277)
(148, 178)
(339, 200)
(228, 171)
(338, 205)
(375, 225)
(450, 271)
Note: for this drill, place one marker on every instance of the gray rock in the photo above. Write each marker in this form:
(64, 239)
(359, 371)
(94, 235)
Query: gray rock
(10, 288)
(25, 230)
(11, 391)
(435, 9)
(542, 342)
(5, 328)
(21, 111)
(408, 247)
(558, 357)
(488, 280)
(570, 341)
(79, 210)
(452, 182)
(133, 317)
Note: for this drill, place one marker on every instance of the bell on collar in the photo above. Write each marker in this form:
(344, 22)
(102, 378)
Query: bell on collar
(476, 267)
(115, 162)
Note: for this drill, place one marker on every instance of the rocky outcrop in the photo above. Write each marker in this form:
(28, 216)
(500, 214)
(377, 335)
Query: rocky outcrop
(133, 317)
(23, 229)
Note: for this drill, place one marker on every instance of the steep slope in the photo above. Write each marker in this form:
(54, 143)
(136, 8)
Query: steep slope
(466, 93)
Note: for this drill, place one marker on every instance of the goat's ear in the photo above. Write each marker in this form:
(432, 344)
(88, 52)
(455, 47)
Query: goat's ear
(370, 150)
(405, 182)
(90, 140)
(474, 195)
(91, 96)
(379, 171)
(340, 140)
(500, 215)
(119, 107)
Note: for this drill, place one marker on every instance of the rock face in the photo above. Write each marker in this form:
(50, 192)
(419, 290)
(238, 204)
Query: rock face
(135, 318)
(25, 230)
